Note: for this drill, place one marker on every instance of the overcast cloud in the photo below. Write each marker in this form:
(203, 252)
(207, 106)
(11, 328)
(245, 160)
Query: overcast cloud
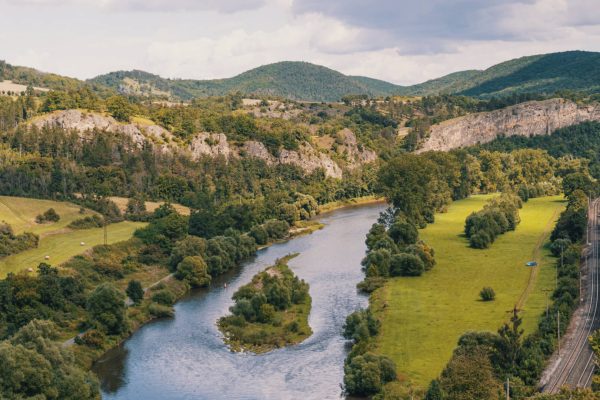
(400, 41)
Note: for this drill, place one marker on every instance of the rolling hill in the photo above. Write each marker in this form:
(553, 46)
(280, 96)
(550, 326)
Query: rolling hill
(544, 73)
(288, 79)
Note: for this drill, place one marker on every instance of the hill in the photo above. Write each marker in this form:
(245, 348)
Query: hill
(544, 73)
(287, 79)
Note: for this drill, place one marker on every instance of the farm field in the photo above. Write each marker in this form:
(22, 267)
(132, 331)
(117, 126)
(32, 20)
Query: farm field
(423, 317)
(56, 240)
(121, 202)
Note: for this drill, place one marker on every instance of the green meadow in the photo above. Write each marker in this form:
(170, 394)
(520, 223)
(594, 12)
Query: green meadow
(57, 241)
(423, 317)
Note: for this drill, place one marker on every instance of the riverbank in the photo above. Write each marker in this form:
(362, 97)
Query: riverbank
(168, 358)
(422, 319)
(142, 315)
(354, 202)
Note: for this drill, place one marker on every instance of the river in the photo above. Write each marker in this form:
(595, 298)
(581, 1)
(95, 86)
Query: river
(185, 358)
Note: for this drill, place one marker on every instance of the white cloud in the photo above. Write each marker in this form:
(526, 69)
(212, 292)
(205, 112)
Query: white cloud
(406, 43)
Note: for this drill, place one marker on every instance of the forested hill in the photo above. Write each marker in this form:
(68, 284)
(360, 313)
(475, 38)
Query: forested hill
(288, 79)
(544, 73)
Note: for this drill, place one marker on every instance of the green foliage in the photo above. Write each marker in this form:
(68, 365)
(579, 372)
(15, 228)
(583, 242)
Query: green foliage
(135, 291)
(12, 244)
(119, 108)
(271, 311)
(487, 294)
(366, 374)
(545, 73)
(33, 364)
(404, 264)
(193, 270)
(106, 308)
(361, 325)
(164, 297)
(88, 222)
(49, 215)
(190, 246)
(500, 215)
(291, 80)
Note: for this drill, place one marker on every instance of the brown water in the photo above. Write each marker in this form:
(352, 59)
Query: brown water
(185, 358)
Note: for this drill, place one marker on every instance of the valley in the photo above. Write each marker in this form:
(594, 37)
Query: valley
(413, 211)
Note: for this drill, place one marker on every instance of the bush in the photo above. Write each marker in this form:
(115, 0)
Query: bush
(164, 297)
(371, 284)
(50, 215)
(135, 291)
(160, 311)
(360, 325)
(91, 221)
(276, 229)
(366, 374)
(487, 294)
(260, 234)
(405, 264)
(92, 338)
(106, 306)
(194, 271)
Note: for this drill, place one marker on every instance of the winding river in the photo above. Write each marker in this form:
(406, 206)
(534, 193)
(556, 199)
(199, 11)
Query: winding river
(185, 358)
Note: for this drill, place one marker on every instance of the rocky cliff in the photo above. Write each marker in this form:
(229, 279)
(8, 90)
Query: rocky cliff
(525, 119)
(350, 154)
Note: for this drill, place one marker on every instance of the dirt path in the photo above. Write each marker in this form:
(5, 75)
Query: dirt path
(535, 256)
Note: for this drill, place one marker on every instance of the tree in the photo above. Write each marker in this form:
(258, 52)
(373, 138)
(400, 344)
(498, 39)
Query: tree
(135, 291)
(119, 107)
(360, 325)
(366, 374)
(508, 350)
(405, 264)
(403, 233)
(106, 307)
(469, 376)
(194, 271)
(189, 246)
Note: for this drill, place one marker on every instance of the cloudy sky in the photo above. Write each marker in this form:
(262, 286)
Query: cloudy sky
(402, 41)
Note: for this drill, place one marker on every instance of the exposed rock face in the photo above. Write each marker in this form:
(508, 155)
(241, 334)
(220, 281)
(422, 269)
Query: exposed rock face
(210, 144)
(306, 157)
(86, 122)
(204, 144)
(525, 119)
(355, 154)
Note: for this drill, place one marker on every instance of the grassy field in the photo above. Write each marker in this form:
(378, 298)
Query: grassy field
(20, 213)
(56, 240)
(121, 202)
(423, 317)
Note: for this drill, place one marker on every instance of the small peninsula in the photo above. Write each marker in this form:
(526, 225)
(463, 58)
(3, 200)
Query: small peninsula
(270, 312)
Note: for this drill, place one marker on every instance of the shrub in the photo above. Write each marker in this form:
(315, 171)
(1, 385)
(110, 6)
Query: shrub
(366, 374)
(160, 311)
(50, 215)
(276, 229)
(164, 297)
(135, 291)
(405, 264)
(487, 294)
(194, 271)
(92, 338)
(371, 284)
(260, 234)
(91, 221)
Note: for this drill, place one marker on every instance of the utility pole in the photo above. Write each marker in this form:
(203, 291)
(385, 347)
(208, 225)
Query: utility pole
(507, 388)
(558, 329)
(547, 291)
(105, 232)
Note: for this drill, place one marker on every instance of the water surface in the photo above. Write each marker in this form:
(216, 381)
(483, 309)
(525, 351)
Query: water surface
(185, 357)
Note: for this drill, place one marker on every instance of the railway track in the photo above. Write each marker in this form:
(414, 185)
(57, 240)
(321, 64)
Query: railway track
(576, 362)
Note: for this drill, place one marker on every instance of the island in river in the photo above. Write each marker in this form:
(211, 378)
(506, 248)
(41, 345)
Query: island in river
(269, 312)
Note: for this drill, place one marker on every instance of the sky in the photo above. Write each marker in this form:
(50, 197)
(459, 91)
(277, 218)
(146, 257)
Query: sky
(401, 41)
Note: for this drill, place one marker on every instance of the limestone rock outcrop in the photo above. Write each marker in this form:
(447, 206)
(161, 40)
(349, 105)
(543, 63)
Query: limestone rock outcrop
(526, 119)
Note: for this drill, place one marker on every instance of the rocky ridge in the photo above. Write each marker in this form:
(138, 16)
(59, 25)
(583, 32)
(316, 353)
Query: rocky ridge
(526, 119)
(205, 144)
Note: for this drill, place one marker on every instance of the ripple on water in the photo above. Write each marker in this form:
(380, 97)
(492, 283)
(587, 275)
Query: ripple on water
(185, 357)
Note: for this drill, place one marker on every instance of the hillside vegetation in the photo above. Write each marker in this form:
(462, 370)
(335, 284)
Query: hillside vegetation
(288, 79)
(544, 73)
